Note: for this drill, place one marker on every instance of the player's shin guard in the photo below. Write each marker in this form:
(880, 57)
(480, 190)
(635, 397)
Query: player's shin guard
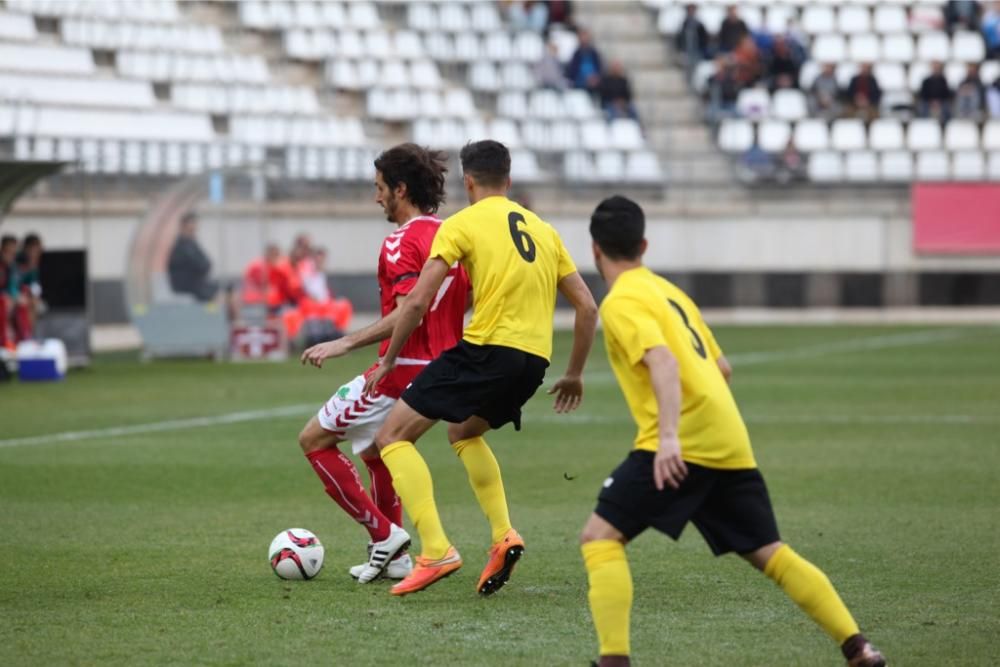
(806, 584)
(412, 480)
(382, 490)
(340, 478)
(484, 476)
(610, 593)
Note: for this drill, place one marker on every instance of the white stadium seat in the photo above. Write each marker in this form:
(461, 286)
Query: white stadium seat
(861, 166)
(818, 18)
(595, 135)
(923, 134)
(864, 47)
(968, 47)
(609, 166)
(789, 104)
(853, 19)
(848, 134)
(889, 19)
(885, 134)
(993, 167)
(625, 134)
(826, 167)
(890, 76)
(778, 17)
(933, 166)
(524, 167)
(505, 131)
(773, 135)
(961, 135)
(578, 167)
(896, 166)
(933, 46)
(513, 104)
(811, 135)
(968, 166)
(829, 48)
(991, 135)
(735, 135)
(754, 103)
(898, 48)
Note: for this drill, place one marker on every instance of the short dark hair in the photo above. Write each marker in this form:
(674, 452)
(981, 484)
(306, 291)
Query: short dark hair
(7, 239)
(487, 161)
(420, 169)
(618, 226)
(31, 240)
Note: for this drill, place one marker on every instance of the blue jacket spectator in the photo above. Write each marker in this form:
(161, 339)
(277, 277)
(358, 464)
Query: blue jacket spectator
(584, 68)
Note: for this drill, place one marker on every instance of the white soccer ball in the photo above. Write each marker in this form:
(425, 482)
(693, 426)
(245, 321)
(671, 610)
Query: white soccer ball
(296, 554)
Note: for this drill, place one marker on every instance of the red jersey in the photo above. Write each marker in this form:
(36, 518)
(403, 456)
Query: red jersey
(403, 254)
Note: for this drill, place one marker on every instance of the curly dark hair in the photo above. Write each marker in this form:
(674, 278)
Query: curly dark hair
(487, 161)
(420, 169)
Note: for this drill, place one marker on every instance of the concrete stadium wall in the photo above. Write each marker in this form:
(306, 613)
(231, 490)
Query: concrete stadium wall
(778, 261)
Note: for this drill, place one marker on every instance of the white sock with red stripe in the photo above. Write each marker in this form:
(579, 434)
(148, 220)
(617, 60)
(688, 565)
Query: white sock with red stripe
(340, 477)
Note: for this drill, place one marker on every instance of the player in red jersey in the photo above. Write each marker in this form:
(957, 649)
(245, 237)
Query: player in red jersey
(409, 185)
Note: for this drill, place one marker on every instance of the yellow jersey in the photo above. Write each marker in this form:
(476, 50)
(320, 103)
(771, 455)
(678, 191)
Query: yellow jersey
(643, 311)
(515, 262)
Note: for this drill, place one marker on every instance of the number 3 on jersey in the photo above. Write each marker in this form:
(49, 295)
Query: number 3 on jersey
(522, 240)
(696, 342)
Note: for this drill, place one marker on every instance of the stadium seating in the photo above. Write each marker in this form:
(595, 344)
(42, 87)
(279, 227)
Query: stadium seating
(180, 94)
(901, 41)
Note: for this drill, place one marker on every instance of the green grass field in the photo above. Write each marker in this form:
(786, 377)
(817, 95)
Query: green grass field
(147, 545)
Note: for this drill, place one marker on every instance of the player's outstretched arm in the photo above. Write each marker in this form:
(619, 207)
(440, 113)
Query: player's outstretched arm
(410, 312)
(725, 368)
(668, 466)
(569, 388)
(373, 333)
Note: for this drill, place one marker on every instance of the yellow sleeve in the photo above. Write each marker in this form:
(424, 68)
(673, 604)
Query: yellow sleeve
(633, 327)
(566, 264)
(450, 243)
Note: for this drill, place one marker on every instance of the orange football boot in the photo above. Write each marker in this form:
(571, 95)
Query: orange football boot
(427, 571)
(503, 556)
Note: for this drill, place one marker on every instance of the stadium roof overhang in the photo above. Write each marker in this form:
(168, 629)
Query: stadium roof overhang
(16, 177)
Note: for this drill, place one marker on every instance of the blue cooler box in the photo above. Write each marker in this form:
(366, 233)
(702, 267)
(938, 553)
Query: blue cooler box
(41, 361)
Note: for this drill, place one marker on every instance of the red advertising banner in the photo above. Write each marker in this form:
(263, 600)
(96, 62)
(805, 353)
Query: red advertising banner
(961, 219)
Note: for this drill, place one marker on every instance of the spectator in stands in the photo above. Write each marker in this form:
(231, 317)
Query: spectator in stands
(864, 94)
(188, 266)
(732, 31)
(783, 65)
(549, 70)
(8, 289)
(962, 15)
(991, 30)
(528, 15)
(755, 165)
(791, 164)
(935, 96)
(271, 281)
(826, 94)
(993, 99)
(970, 96)
(723, 90)
(692, 39)
(616, 93)
(560, 12)
(584, 68)
(747, 62)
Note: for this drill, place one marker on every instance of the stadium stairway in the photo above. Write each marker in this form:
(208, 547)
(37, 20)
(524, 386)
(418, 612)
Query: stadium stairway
(670, 114)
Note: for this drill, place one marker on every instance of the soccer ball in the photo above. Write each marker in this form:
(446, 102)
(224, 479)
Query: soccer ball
(296, 554)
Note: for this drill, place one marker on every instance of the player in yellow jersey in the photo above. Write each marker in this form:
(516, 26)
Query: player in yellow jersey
(516, 263)
(692, 460)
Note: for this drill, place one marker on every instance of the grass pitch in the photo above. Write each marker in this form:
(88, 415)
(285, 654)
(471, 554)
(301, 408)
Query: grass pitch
(147, 545)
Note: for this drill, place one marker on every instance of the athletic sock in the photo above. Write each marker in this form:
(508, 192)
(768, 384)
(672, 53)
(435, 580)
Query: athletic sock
(343, 485)
(412, 480)
(809, 588)
(610, 594)
(382, 491)
(484, 476)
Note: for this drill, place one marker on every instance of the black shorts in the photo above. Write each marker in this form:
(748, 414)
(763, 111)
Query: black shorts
(731, 508)
(488, 381)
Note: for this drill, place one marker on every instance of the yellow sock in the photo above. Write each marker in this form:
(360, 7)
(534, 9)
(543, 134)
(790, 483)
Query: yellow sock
(610, 593)
(812, 591)
(412, 481)
(484, 476)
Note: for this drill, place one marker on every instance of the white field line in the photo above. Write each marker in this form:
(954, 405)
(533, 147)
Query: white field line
(806, 352)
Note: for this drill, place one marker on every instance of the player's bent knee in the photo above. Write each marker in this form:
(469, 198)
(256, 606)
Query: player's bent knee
(313, 438)
(598, 528)
(759, 557)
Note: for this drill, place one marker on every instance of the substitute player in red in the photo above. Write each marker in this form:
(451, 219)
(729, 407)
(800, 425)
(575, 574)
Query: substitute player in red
(409, 185)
